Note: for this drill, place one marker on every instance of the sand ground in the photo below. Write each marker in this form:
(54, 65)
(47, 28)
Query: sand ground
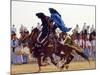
(31, 68)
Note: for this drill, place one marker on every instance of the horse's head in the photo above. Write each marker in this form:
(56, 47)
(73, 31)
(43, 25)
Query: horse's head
(34, 34)
(32, 38)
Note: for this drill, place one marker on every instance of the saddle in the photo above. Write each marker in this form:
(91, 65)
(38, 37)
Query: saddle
(38, 45)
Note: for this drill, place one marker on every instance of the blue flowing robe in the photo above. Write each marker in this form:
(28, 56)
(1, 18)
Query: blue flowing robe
(59, 23)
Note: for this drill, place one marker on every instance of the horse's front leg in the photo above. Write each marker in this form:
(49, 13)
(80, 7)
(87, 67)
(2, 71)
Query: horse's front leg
(63, 62)
(68, 60)
(39, 63)
(52, 60)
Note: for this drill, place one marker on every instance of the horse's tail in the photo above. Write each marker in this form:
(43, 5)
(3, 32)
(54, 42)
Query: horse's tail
(80, 52)
(83, 55)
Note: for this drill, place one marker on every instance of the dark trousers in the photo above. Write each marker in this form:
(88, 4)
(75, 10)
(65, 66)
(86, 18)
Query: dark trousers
(13, 49)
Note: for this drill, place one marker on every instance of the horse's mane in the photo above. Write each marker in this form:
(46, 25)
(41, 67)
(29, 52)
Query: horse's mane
(33, 33)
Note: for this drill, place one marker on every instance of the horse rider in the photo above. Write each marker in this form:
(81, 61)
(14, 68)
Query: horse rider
(45, 28)
(58, 20)
(13, 29)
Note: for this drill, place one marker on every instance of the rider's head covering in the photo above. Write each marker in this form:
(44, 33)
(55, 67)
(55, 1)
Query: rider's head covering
(40, 15)
(53, 11)
(14, 34)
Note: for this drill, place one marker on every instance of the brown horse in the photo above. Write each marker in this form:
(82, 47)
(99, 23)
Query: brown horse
(68, 56)
(40, 50)
(68, 50)
(47, 48)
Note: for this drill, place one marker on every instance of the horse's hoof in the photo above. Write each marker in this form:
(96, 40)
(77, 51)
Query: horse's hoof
(39, 71)
(61, 68)
(55, 64)
(43, 64)
(67, 67)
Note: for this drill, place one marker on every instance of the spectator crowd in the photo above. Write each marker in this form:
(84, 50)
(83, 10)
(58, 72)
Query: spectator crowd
(85, 38)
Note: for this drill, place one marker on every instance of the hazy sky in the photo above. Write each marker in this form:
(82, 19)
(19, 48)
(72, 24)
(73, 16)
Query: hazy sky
(24, 13)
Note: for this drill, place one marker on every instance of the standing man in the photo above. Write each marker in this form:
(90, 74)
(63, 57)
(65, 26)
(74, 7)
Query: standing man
(14, 42)
(76, 30)
(22, 28)
(92, 29)
(15, 59)
(93, 43)
(13, 29)
(87, 46)
(84, 28)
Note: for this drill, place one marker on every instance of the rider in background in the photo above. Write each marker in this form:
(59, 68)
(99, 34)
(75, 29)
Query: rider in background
(58, 21)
